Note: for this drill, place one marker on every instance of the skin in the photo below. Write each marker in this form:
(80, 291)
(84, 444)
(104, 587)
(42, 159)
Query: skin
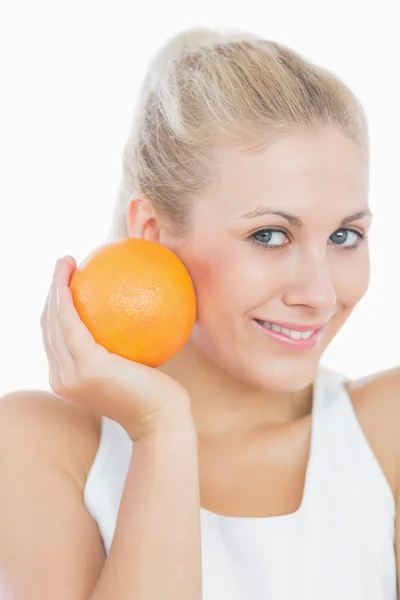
(251, 398)
(238, 378)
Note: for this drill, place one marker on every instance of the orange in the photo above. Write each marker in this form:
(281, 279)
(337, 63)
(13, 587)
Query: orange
(137, 299)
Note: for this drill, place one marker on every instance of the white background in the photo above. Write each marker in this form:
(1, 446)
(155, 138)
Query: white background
(69, 77)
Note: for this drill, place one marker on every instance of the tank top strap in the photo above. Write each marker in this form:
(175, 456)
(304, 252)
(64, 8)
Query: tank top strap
(340, 443)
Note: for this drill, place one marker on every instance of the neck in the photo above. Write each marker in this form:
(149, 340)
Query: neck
(223, 405)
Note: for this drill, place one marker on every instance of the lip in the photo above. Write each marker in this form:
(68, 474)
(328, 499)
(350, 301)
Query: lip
(287, 341)
(316, 327)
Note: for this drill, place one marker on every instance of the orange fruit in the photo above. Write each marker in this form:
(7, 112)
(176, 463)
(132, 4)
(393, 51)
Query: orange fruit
(137, 299)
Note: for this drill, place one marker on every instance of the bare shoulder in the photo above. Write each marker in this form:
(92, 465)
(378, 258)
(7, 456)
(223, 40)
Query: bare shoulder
(52, 427)
(50, 546)
(376, 400)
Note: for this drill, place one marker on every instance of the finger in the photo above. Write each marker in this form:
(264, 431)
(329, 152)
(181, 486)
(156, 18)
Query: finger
(54, 370)
(55, 333)
(54, 373)
(78, 338)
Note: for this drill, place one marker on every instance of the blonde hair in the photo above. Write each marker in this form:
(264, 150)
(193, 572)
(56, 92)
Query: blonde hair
(209, 88)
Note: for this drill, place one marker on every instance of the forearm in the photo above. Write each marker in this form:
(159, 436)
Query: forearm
(156, 550)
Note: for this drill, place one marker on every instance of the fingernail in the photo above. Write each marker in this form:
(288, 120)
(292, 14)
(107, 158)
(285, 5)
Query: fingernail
(58, 264)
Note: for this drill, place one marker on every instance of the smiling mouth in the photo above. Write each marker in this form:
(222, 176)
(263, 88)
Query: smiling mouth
(290, 333)
(290, 339)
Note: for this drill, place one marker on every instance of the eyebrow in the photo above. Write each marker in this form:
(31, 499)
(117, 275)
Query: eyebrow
(296, 221)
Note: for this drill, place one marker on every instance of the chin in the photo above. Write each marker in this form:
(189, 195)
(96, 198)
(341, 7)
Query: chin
(276, 374)
(259, 370)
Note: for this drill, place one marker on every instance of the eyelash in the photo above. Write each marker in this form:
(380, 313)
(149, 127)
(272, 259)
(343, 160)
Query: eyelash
(362, 237)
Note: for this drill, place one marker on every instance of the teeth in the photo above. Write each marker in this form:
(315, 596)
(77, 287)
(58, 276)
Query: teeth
(292, 333)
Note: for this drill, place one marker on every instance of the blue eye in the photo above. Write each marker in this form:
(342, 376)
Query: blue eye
(342, 236)
(274, 239)
(263, 237)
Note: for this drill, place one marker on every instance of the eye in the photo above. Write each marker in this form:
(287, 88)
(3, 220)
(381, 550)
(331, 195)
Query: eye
(347, 238)
(269, 238)
(274, 239)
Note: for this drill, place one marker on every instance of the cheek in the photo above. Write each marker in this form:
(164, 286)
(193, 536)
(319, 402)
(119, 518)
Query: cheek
(226, 282)
(352, 283)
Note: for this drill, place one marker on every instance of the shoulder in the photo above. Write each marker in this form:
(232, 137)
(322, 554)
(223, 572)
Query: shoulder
(376, 400)
(378, 396)
(49, 427)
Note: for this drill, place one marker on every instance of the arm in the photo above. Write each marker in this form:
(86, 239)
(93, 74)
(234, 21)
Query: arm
(377, 401)
(396, 394)
(156, 551)
(50, 547)
(398, 536)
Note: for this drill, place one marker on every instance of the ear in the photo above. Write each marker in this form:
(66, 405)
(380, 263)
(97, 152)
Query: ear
(142, 221)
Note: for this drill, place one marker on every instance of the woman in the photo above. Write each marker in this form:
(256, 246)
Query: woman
(239, 469)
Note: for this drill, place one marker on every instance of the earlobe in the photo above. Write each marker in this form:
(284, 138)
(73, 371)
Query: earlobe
(142, 220)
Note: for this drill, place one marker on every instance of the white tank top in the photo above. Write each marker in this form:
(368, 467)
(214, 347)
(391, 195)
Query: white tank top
(338, 546)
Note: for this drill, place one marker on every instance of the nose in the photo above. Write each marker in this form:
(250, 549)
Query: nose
(310, 284)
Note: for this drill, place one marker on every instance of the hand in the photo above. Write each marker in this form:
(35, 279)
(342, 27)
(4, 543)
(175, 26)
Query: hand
(84, 372)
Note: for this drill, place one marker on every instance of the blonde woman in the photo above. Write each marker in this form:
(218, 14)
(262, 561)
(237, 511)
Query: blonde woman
(238, 470)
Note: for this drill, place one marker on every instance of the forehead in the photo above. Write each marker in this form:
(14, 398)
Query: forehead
(298, 172)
